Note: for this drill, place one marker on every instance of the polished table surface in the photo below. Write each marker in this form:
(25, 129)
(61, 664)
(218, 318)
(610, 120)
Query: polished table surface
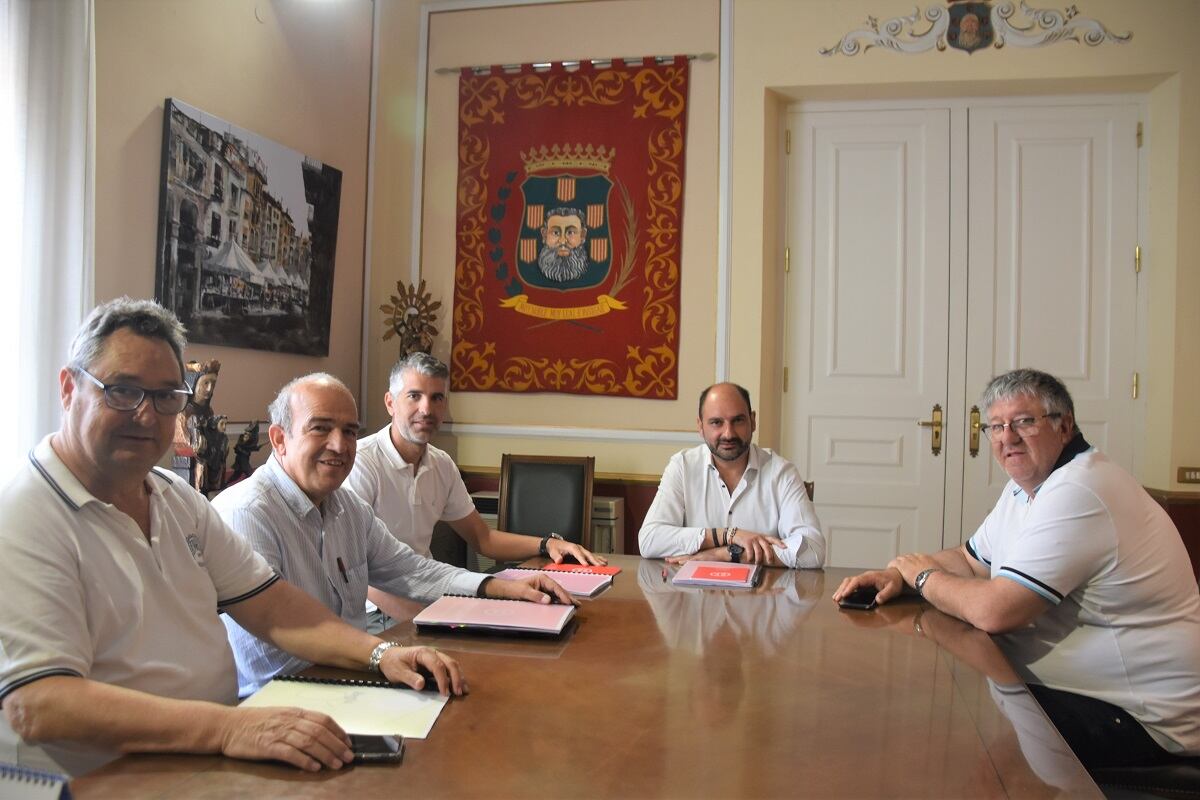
(661, 691)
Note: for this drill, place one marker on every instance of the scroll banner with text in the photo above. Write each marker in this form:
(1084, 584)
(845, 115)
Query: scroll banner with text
(570, 203)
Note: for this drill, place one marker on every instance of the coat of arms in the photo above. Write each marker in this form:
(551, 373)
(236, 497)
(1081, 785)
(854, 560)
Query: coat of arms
(569, 218)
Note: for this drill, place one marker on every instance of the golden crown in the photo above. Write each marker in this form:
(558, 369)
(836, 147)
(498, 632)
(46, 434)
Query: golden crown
(543, 159)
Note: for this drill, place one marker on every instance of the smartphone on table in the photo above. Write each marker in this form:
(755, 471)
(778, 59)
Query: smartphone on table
(862, 598)
(376, 749)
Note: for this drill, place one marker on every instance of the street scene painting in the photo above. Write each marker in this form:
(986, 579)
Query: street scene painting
(247, 233)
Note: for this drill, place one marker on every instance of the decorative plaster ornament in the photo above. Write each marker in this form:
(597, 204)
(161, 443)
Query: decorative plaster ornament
(971, 26)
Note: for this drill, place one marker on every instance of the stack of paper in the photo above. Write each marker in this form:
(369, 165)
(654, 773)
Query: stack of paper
(509, 616)
(358, 706)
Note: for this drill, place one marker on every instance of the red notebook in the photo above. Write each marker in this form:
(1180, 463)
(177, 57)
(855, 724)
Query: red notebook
(717, 573)
(595, 569)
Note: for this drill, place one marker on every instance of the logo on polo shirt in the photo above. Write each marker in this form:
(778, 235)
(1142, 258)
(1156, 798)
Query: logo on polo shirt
(193, 543)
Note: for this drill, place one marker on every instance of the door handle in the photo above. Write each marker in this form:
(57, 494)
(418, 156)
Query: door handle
(975, 429)
(936, 424)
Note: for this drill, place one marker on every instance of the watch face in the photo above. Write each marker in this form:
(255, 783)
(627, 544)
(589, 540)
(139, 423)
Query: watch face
(735, 553)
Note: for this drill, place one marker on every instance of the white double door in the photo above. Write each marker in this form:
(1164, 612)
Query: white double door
(931, 249)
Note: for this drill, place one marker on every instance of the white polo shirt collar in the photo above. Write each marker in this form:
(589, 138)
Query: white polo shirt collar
(68, 487)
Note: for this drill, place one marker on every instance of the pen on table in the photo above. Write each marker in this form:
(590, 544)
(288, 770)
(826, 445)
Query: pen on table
(342, 569)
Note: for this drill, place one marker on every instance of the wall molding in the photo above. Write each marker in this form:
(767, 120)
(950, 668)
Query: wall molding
(564, 432)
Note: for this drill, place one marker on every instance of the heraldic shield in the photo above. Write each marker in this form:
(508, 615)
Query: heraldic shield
(565, 241)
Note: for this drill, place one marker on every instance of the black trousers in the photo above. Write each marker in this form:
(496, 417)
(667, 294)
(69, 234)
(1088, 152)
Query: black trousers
(1101, 734)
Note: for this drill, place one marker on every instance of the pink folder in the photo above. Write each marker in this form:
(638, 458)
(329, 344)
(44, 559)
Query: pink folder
(717, 573)
(485, 613)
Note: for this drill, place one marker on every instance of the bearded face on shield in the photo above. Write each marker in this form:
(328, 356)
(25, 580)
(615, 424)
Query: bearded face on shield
(563, 256)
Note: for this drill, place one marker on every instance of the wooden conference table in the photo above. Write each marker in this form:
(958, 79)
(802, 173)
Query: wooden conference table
(683, 692)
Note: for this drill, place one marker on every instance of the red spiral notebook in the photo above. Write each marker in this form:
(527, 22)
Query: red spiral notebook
(592, 568)
(490, 614)
(717, 573)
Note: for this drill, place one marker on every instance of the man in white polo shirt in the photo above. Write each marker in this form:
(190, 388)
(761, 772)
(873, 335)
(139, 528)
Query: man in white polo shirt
(113, 571)
(412, 485)
(1084, 579)
(729, 499)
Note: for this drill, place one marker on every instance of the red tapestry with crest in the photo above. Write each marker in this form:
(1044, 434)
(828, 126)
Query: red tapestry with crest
(570, 203)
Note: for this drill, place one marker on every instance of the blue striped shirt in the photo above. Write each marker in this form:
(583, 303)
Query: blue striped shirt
(303, 543)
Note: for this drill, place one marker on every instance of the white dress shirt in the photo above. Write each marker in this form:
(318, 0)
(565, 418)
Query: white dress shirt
(333, 552)
(770, 499)
(409, 499)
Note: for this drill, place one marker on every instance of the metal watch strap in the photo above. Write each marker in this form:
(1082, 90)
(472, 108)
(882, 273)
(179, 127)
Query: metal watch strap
(544, 551)
(922, 576)
(377, 654)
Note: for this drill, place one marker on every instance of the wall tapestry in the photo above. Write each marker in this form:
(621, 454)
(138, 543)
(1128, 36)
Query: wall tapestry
(570, 202)
(971, 25)
(247, 231)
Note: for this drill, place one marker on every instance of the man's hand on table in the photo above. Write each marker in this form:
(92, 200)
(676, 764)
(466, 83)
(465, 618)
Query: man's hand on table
(405, 665)
(559, 550)
(888, 583)
(911, 565)
(305, 739)
(537, 588)
(759, 548)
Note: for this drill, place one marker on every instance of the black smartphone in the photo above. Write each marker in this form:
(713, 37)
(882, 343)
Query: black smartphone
(862, 598)
(376, 749)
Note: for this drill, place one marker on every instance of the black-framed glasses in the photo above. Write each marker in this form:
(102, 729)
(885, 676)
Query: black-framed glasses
(122, 397)
(1021, 426)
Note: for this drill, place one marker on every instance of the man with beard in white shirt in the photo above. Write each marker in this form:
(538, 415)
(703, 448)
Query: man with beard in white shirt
(729, 499)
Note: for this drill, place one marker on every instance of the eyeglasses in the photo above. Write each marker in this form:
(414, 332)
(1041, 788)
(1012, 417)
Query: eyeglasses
(121, 397)
(1022, 426)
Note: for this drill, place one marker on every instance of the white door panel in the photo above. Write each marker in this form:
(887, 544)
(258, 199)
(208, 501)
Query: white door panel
(1046, 228)
(1053, 220)
(868, 301)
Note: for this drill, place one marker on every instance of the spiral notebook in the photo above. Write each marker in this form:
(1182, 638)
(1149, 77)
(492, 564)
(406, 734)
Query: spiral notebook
(363, 706)
(499, 616)
(27, 783)
(582, 584)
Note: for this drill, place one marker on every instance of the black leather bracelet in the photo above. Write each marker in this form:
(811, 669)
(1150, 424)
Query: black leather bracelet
(481, 590)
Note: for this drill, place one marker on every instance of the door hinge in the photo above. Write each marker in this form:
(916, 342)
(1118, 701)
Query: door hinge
(785, 379)
(1135, 386)
(1137, 259)
(787, 259)
(787, 141)
(1139, 135)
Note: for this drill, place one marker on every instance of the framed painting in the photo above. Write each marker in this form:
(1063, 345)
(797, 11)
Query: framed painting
(247, 231)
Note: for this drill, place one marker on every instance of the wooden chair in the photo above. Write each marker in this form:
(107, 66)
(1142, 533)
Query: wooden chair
(547, 494)
(810, 488)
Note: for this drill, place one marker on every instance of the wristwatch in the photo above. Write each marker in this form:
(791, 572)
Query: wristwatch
(735, 553)
(922, 576)
(542, 550)
(377, 654)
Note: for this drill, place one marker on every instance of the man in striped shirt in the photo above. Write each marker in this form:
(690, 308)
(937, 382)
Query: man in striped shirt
(322, 537)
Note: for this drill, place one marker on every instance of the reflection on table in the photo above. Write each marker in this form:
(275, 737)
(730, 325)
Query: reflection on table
(664, 691)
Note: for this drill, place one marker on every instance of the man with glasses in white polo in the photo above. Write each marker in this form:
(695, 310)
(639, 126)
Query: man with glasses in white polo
(1083, 579)
(113, 571)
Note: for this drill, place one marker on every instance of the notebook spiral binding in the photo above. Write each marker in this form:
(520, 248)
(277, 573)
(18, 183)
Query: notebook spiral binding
(15, 772)
(340, 681)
